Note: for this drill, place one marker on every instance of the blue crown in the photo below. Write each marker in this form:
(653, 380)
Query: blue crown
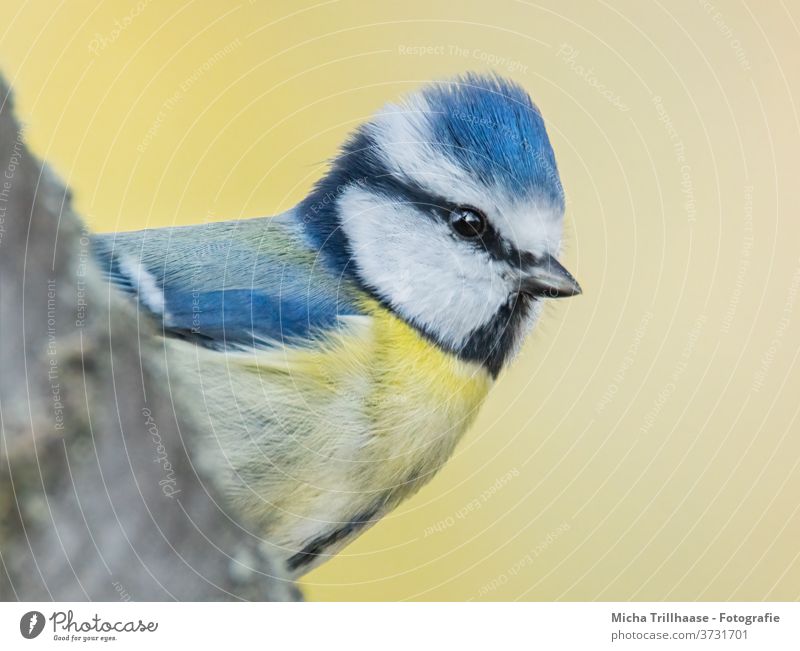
(490, 126)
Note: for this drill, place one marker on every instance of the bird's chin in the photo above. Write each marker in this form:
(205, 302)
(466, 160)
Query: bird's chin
(522, 299)
(521, 304)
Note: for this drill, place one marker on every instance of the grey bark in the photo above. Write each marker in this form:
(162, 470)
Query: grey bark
(99, 499)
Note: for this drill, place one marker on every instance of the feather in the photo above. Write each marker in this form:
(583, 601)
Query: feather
(229, 285)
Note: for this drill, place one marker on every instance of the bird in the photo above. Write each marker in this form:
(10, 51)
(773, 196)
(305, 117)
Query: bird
(339, 351)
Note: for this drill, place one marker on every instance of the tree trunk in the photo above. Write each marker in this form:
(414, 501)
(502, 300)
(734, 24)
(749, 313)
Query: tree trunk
(99, 499)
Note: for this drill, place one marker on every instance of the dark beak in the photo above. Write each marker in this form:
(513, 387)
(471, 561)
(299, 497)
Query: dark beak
(548, 279)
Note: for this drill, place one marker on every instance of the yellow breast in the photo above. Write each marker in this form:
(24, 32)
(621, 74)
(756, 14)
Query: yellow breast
(422, 398)
(375, 408)
(348, 426)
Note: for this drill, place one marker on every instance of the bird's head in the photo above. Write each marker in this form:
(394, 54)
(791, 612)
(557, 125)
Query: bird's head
(448, 208)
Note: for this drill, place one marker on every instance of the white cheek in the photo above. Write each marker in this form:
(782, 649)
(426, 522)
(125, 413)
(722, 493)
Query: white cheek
(417, 266)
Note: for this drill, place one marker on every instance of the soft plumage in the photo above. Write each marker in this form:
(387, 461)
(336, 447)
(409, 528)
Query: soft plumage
(340, 350)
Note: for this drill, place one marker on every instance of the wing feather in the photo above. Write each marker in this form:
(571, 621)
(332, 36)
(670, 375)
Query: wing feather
(229, 285)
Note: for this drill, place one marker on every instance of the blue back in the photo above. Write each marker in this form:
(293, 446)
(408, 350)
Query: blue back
(235, 284)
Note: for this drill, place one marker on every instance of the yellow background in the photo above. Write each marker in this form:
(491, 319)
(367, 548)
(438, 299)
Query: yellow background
(646, 444)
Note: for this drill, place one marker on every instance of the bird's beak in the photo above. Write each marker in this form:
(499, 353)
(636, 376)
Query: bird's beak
(548, 279)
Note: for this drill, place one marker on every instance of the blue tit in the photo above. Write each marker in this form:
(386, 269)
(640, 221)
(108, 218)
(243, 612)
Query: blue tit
(339, 351)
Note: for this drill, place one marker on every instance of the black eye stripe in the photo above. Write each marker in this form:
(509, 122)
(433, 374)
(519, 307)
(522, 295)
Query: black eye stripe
(395, 189)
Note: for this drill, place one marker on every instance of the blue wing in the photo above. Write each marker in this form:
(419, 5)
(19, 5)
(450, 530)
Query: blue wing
(235, 284)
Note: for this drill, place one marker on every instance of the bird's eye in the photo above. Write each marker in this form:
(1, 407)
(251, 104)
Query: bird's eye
(467, 222)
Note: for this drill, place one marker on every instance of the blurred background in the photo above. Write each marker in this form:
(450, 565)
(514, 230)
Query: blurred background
(646, 444)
